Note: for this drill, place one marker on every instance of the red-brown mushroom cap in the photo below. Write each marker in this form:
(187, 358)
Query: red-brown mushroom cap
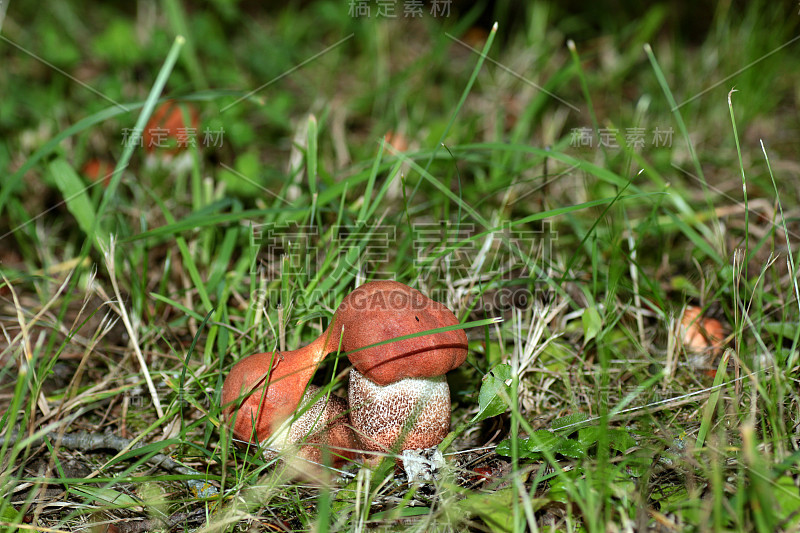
(382, 310)
(258, 399)
(264, 389)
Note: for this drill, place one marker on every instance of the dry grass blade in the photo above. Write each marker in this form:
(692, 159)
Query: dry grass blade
(41, 401)
(110, 259)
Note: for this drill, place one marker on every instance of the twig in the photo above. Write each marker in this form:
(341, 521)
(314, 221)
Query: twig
(164, 524)
(86, 442)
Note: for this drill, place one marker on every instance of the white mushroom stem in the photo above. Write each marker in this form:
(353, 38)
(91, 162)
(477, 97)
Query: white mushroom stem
(408, 414)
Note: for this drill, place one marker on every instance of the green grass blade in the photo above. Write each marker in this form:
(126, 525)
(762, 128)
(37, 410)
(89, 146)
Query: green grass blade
(188, 259)
(362, 215)
(662, 81)
(713, 399)
(75, 194)
(177, 305)
(587, 95)
(744, 180)
(204, 218)
(481, 58)
(790, 362)
(144, 116)
(177, 18)
(12, 183)
(311, 154)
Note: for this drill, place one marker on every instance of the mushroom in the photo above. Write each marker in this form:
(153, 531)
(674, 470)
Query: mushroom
(263, 391)
(98, 169)
(323, 427)
(168, 130)
(702, 337)
(398, 394)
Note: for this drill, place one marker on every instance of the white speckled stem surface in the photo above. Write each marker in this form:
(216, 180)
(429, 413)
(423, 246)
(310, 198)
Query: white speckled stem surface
(417, 408)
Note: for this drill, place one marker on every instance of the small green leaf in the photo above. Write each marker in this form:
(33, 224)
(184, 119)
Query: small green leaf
(245, 178)
(559, 491)
(9, 514)
(588, 436)
(404, 512)
(592, 324)
(343, 503)
(542, 440)
(683, 284)
(787, 498)
(504, 448)
(785, 329)
(153, 447)
(74, 191)
(570, 422)
(494, 397)
(620, 440)
(105, 495)
(493, 508)
(570, 448)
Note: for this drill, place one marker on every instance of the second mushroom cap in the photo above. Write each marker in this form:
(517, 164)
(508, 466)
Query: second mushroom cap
(382, 310)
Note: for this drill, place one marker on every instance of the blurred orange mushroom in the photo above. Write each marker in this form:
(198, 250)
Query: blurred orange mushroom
(702, 336)
(168, 130)
(98, 169)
